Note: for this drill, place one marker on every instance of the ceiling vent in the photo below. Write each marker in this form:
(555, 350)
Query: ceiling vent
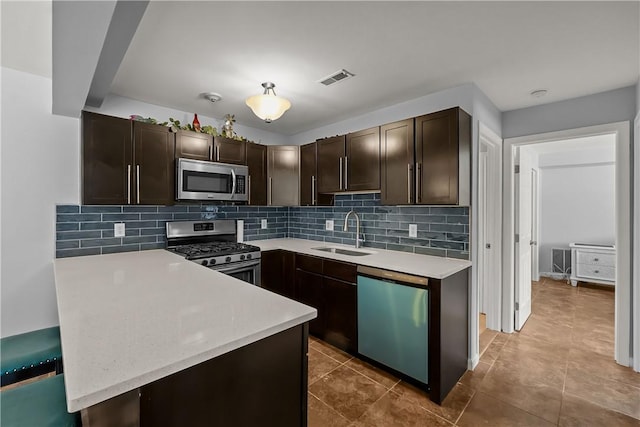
(336, 77)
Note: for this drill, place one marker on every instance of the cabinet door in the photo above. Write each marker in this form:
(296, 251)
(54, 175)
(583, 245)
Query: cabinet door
(194, 145)
(308, 176)
(282, 168)
(257, 163)
(277, 272)
(107, 160)
(154, 164)
(340, 314)
(362, 160)
(438, 156)
(229, 151)
(309, 291)
(330, 164)
(396, 170)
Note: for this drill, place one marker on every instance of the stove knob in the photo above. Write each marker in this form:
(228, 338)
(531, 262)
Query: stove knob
(228, 259)
(204, 262)
(241, 257)
(248, 256)
(212, 262)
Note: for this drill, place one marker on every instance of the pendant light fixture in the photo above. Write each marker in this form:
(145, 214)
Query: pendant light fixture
(268, 106)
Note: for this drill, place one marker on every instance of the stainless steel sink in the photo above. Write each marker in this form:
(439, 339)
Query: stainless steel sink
(341, 251)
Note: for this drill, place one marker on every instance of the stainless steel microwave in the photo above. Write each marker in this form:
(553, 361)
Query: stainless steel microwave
(199, 180)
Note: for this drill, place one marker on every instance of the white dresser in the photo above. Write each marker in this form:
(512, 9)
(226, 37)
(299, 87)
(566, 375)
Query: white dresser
(593, 263)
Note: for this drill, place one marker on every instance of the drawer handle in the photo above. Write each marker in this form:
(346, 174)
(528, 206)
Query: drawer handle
(596, 259)
(597, 271)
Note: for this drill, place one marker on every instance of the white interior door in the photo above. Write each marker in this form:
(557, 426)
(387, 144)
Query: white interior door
(523, 237)
(483, 268)
(535, 268)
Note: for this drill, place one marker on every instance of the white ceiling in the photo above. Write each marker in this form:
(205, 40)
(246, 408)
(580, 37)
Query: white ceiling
(398, 51)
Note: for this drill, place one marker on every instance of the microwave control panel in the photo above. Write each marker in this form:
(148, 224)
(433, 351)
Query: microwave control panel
(240, 185)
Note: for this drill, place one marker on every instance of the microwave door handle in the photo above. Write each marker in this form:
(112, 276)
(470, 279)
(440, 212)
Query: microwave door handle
(233, 184)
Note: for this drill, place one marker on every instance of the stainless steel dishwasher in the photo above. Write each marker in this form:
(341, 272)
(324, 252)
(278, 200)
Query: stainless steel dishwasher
(393, 320)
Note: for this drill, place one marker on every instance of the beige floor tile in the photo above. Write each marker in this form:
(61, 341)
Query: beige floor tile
(376, 374)
(451, 407)
(348, 392)
(393, 410)
(331, 351)
(593, 363)
(473, 379)
(520, 389)
(484, 410)
(320, 365)
(577, 412)
(321, 415)
(486, 338)
(546, 329)
(607, 393)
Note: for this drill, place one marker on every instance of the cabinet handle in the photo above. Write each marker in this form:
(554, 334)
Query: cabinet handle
(313, 190)
(128, 184)
(418, 174)
(217, 153)
(346, 172)
(249, 188)
(596, 259)
(210, 153)
(270, 191)
(597, 271)
(340, 173)
(409, 183)
(138, 183)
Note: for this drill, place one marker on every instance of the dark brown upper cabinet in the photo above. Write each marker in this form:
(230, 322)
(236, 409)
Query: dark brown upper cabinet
(194, 145)
(443, 158)
(350, 162)
(308, 175)
(331, 164)
(126, 162)
(283, 174)
(257, 163)
(397, 165)
(227, 150)
(362, 160)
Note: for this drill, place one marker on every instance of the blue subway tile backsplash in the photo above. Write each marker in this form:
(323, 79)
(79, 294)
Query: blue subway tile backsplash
(442, 231)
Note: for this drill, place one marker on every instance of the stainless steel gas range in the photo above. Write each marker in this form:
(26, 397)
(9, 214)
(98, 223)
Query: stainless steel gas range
(213, 244)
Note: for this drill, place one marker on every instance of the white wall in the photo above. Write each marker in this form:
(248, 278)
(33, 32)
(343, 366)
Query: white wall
(577, 204)
(40, 167)
(601, 108)
(120, 106)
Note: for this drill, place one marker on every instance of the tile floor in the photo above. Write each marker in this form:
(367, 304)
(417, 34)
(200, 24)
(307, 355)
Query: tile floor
(558, 370)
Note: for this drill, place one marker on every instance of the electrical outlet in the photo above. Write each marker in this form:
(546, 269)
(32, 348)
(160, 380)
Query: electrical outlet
(118, 229)
(328, 225)
(413, 230)
(263, 223)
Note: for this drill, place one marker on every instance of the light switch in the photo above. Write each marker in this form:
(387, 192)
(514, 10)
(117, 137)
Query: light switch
(263, 223)
(413, 230)
(119, 229)
(328, 225)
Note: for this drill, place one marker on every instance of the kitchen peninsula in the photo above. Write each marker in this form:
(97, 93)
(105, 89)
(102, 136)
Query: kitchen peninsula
(151, 337)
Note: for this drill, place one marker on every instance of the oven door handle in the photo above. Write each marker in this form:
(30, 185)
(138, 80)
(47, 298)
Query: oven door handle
(237, 268)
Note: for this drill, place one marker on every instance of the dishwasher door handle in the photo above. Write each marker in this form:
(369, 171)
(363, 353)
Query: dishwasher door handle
(394, 276)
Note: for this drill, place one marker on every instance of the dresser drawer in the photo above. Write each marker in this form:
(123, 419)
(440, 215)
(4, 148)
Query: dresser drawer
(596, 272)
(595, 258)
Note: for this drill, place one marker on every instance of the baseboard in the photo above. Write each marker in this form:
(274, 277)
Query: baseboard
(472, 363)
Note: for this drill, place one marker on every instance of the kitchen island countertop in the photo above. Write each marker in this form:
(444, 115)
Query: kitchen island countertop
(132, 318)
(403, 262)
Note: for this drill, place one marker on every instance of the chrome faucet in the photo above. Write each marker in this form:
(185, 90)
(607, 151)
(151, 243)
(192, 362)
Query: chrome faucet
(346, 226)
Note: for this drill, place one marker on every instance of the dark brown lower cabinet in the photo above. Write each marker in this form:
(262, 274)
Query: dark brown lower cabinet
(318, 284)
(261, 384)
(277, 272)
(310, 289)
(340, 314)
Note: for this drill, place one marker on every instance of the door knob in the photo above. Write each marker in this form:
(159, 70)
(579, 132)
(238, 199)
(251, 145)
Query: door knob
(533, 242)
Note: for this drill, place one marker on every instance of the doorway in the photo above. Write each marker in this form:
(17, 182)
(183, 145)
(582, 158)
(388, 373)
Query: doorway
(511, 291)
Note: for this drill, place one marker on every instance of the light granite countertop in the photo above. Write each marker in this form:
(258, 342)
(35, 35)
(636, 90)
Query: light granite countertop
(416, 264)
(129, 319)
